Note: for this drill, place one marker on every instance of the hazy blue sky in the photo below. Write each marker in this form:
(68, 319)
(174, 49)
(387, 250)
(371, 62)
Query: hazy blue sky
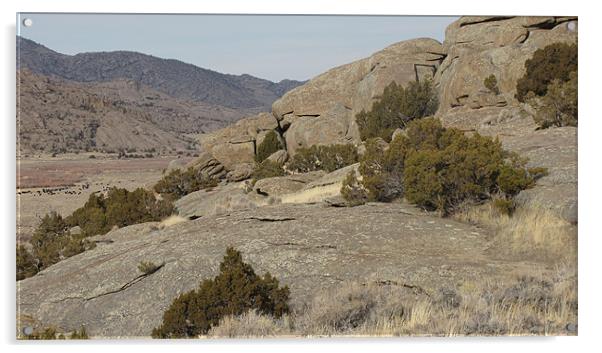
(271, 47)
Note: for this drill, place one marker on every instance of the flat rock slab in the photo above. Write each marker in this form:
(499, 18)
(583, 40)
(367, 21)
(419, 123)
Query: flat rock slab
(307, 247)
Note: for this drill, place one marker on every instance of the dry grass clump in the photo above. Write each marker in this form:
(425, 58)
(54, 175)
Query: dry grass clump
(533, 232)
(355, 309)
(527, 304)
(172, 220)
(250, 325)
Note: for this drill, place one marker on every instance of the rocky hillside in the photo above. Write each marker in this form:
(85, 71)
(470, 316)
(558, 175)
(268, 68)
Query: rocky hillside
(57, 116)
(290, 225)
(244, 93)
(323, 110)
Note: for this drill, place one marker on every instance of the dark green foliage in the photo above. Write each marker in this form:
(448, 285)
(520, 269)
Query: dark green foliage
(559, 106)
(26, 264)
(554, 62)
(269, 145)
(457, 168)
(328, 158)
(52, 241)
(439, 168)
(148, 267)
(512, 180)
(490, 83)
(178, 183)
(395, 108)
(49, 239)
(267, 169)
(119, 208)
(234, 291)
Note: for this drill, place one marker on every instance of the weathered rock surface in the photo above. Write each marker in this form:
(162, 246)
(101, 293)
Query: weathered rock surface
(236, 143)
(279, 186)
(221, 200)
(480, 46)
(322, 189)
(307, 247)
(208, 165)
(279, 157)
(477, 47)
(323, 110)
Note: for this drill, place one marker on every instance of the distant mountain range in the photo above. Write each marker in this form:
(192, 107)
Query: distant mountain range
(141, 93)
(173, 77)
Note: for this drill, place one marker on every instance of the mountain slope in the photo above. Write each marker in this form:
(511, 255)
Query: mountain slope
(57, 116)
(173, 77)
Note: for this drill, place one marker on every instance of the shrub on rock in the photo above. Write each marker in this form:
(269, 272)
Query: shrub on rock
(554, 62)
(267, 169)
(320, 157)
(121, 208)
(270, 144)
(559, 106)
(490, 83)
(179, 183)
(395, 108)
(236, 290)
(438, 168)
(26, 265)
(353, 191)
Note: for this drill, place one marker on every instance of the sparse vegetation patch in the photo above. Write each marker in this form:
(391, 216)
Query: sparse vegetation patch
(179, 183)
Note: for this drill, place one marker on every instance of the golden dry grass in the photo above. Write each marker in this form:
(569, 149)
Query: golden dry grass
(529, 232)
(171, 220)
(317, 194)
(251, 325)
(524, 305)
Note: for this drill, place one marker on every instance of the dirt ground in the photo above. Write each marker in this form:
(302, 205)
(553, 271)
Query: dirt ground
(63, 184)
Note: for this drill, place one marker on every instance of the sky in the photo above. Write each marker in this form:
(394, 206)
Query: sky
(271, 47)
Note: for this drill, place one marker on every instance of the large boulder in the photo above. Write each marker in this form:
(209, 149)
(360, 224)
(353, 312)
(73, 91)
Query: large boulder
(478, 47)
(278, 186)
(221, 200)
(237, 143)
(208, 166)
(481, 46)
(280, 157)
(324, 189)
(323, 110)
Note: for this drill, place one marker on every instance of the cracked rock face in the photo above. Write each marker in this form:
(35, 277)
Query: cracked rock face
(477, 47)
(323, 110)
(307, 247)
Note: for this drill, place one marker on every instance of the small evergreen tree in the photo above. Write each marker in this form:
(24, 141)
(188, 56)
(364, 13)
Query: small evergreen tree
(395, 108)
(181, 183)
(26, 265)
(234, 291)
(554, 62)
(268, 146)
(559, 106)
